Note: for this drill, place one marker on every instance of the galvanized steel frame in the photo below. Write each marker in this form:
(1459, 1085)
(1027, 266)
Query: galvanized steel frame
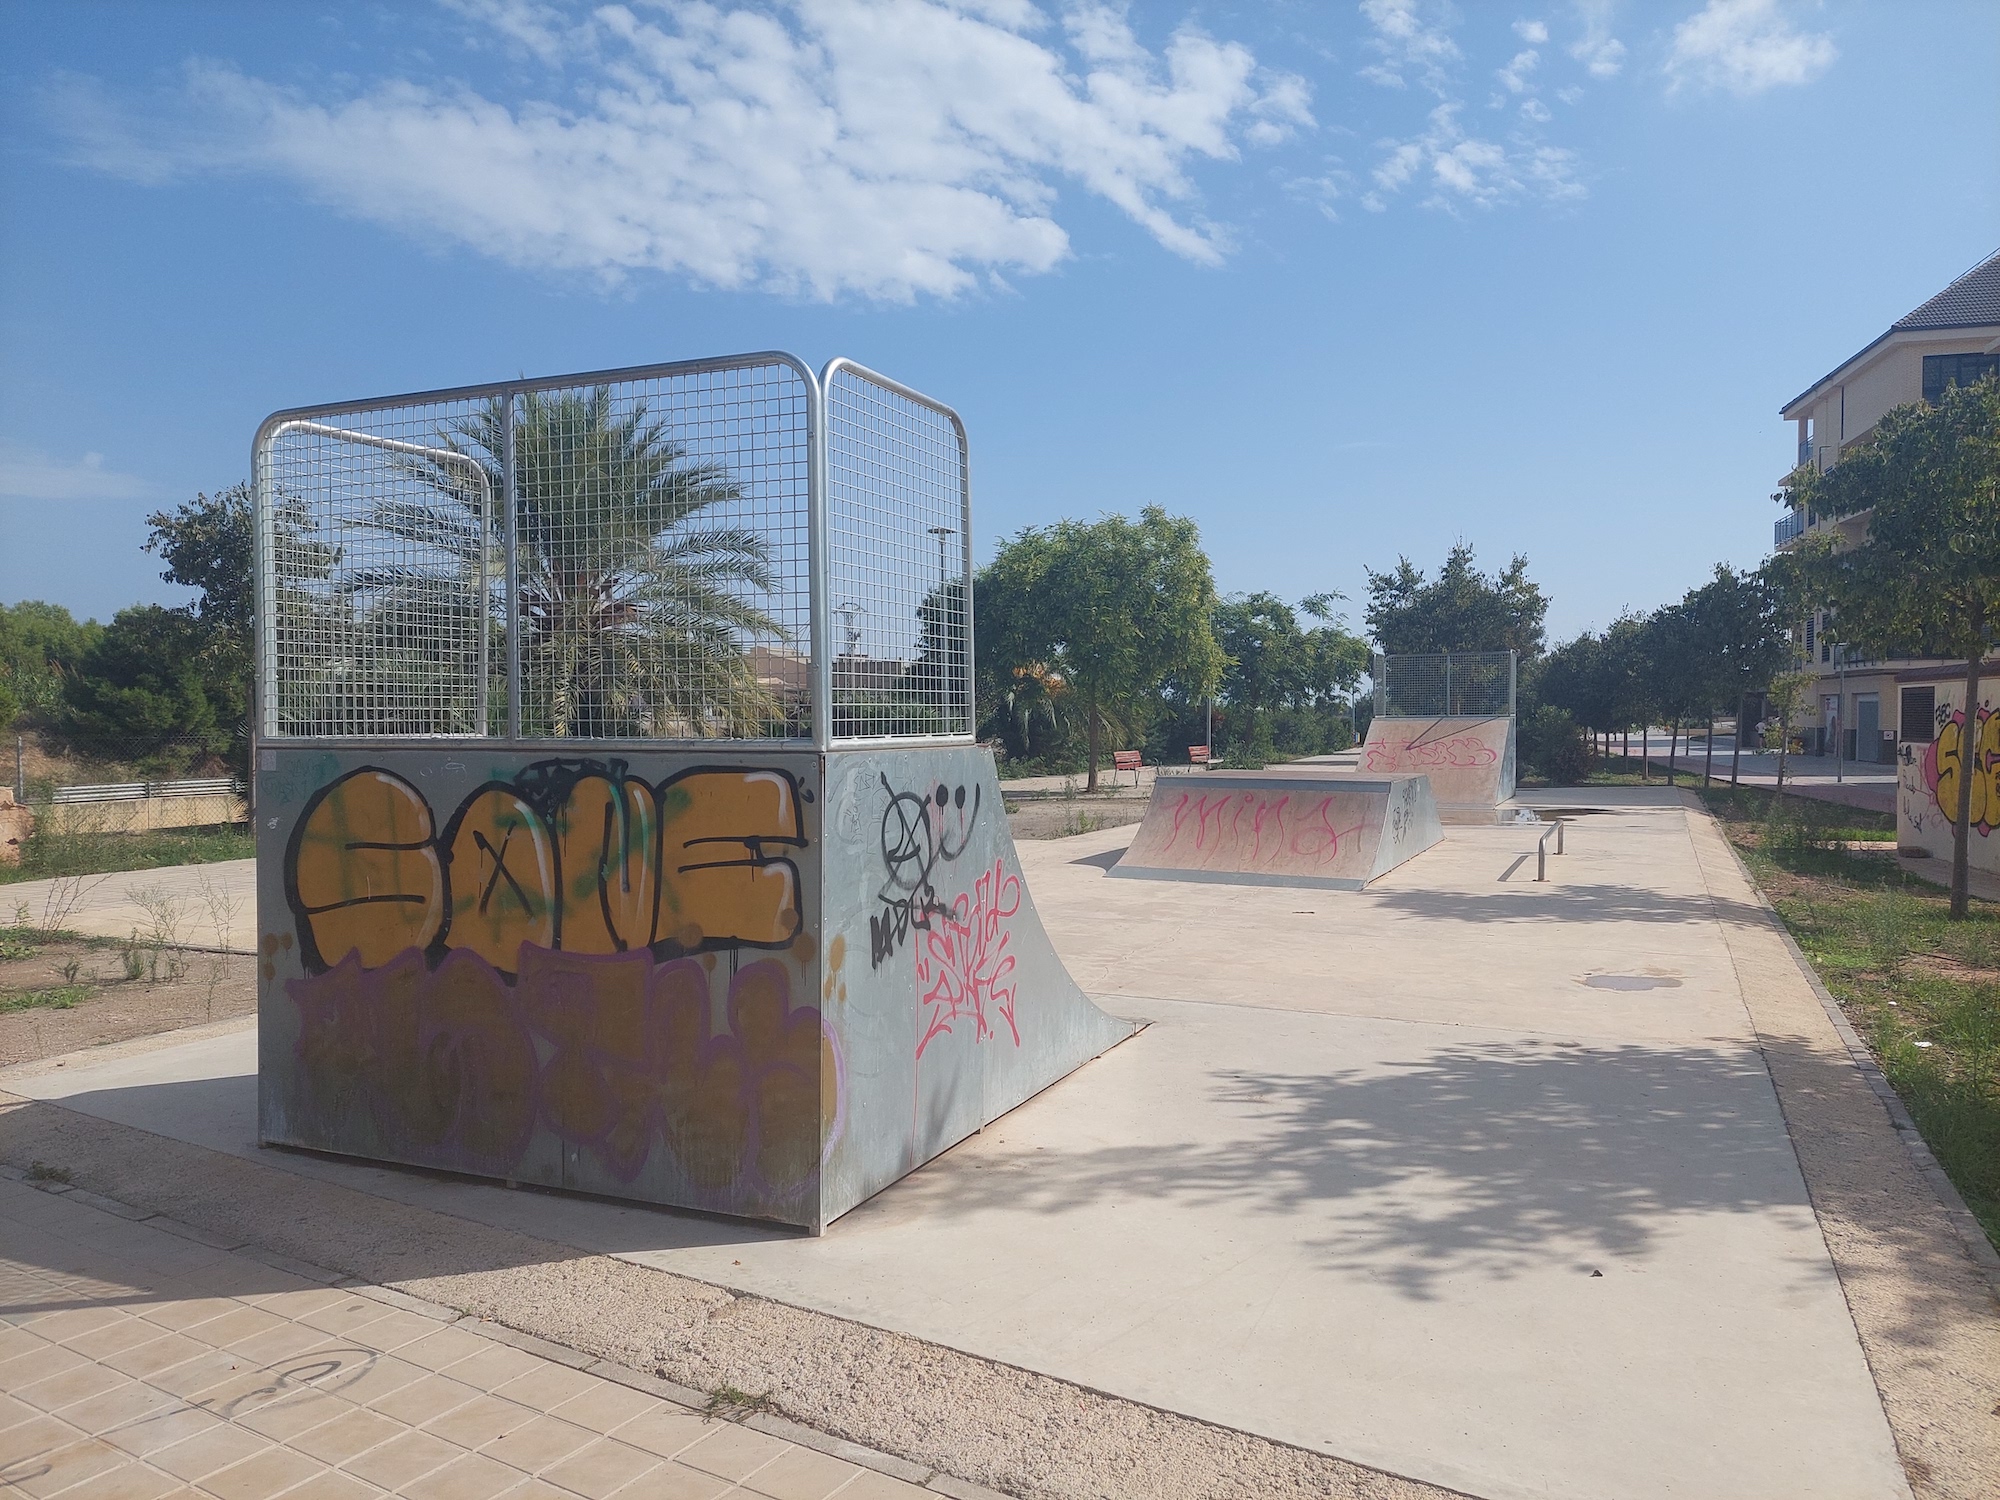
(306, 418)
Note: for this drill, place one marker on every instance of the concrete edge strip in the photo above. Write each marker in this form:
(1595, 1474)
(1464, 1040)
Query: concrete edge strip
(1963, 1222)
(638, 1380)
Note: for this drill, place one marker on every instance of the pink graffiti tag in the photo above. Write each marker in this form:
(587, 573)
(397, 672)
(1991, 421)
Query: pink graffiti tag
(1265, 825)
(1465, 752)
(963, 966)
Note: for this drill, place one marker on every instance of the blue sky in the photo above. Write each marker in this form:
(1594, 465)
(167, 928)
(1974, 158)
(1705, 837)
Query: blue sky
(1342, 281)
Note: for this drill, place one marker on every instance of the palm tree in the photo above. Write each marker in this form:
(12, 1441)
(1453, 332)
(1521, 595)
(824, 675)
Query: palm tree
(635, 616)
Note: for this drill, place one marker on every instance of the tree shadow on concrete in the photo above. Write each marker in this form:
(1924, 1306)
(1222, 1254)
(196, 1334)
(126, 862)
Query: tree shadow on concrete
(1494, 1159)
(1556, 904)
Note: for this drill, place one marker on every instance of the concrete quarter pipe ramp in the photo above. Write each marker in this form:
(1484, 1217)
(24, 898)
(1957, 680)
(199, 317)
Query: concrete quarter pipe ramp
(1286, 826)
(577, 873)
(1470, 761)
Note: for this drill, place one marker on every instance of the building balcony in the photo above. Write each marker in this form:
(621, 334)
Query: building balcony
(1789, 527)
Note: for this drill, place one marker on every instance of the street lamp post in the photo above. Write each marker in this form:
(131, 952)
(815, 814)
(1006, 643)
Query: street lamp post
(941, 533)
(1840, 712)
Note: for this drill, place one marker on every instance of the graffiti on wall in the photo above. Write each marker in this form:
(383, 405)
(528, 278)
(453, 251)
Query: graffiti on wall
(920, 831)
(963, 965)
(547, 959)
(1464, 752)
(1943, 761)
(1257, 827)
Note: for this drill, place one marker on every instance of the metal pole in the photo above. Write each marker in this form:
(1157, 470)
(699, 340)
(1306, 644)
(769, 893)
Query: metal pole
(819, 560)
(1447, 684)
(1840, 712)
(1208, 730)
(1513, 681)
(20, 766)
(511, 540)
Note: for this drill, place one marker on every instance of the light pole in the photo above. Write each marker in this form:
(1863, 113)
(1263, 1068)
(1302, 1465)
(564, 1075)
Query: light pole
(941, 532)
(1840, 712)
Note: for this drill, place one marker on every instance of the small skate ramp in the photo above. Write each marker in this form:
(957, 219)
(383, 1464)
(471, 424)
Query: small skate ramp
(1470, 761)
(1292, 826)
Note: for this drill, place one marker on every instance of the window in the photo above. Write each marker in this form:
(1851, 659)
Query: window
(1945, 370)
(1811, 622)
(1919, 715)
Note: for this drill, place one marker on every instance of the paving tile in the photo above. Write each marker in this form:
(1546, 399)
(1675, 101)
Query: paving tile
(602, 1469)
(425, 1399)
(494, 1365)
(127, 1403)
(57, 1470)
(480, 1421)
(473, 1477)
(343, 1317)
(666, 1430)
(15, 1341)
(219, 1447)
(37, 1364)
(38, 1437)
(78, 1383)
(537, 1489)
(393, 1329)
(70, 1322)
(160, 1430)
(197, 1376)
(234, 1326)
(275, 1345)
(262, 1476)
(606, 1407)
(548, 1387)
(160, 1353)
(296, 1300)
(189, 1312)
(402, 1460)
(299, 1411)
(333, 1485)
(732, 1451)
(872, 1484)
(535, 1445)
(13, 1412)
(443, 1345)
(110, 1338)
(348, 1435)
(671, 1481)
(800, 1474)
(130, 1481)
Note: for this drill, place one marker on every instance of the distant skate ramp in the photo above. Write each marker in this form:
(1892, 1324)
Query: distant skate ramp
(1289, 826)
(1470, 761)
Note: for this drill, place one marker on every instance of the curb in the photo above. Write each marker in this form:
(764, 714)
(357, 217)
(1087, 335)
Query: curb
(1978, 1248)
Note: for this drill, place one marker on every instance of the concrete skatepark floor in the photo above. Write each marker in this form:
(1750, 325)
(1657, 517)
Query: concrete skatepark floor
(1387, 1177)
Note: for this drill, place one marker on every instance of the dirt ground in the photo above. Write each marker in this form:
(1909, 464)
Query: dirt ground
(1063, 817)
(90, 996)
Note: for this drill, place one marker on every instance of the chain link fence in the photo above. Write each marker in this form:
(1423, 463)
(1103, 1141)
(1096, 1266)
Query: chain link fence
(721, 549)
(1451, 684)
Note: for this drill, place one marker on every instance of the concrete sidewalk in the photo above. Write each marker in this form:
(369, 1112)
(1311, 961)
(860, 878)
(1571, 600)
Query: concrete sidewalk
(1464, 1178)
(197, 906)
(138, 1359)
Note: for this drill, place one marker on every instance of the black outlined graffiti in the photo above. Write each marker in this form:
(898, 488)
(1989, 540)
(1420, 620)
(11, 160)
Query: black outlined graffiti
(915, 841)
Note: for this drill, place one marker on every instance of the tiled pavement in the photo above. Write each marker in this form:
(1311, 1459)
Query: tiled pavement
(136, 1362)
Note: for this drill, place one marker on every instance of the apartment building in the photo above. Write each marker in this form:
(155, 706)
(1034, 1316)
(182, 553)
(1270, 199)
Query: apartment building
(1869, 708)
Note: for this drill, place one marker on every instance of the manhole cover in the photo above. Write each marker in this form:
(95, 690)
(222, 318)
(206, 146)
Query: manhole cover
(1631, 982)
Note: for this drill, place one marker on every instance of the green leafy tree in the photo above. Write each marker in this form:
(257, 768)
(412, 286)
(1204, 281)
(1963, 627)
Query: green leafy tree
(1275, 664)
(1113, 608)
(144, 692)
(1462, 609)
(209, 544)
(1742, 640)
(41, 645)
(1927, 571)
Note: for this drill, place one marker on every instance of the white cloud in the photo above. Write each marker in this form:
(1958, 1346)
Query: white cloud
(1534, 109)
(30, 474)
(1515, 75)
(888, 148)
(1466, 171)
(1535, 33)
(1601, 53)
(1411, 37)
(1746, 47)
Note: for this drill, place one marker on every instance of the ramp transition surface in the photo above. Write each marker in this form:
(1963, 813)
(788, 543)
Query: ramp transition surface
(1295, 826)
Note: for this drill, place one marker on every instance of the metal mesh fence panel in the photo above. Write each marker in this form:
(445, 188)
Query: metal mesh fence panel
(379, 561)
(659, 545)
(1454, 684)
(899, 562)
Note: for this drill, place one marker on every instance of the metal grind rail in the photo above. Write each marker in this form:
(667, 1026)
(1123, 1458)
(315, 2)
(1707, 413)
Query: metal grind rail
(1542, 848)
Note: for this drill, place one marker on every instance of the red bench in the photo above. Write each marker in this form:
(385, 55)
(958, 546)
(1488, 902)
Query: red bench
(1126, 760)
(1197, 755)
